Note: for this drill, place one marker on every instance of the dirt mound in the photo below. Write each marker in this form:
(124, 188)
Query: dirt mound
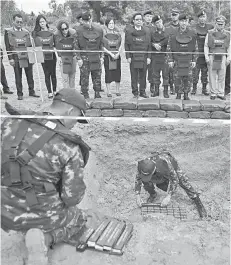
(202, 152)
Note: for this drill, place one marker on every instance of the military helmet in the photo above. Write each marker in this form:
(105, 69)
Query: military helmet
(146, 168)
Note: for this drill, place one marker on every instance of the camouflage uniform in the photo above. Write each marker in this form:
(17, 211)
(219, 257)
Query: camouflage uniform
(167, 176)
(59, 163)
(85, 70)
(182, 83)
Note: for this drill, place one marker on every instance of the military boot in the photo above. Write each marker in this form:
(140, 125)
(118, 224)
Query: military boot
(143, 95)
(194, 90)
(166, 92)
(200, 207)
(157, 91)
(172, 90)
(152, 197)
(178, 96)
(204, 90)
(37, 244)
(152, 89)
(186, 97)
(97, 95)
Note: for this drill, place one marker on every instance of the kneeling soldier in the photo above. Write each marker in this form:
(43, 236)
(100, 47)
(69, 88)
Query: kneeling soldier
(163, 170)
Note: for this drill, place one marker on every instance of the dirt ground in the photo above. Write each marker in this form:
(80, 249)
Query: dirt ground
(203, 151)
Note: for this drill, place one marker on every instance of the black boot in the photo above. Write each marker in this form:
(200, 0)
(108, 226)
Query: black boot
(7, 91)
(152, 197)
(194, 90)
(152, 90)
(186, 97)
(204, 90)
(143, 95)
(166, 92)
(200, 207)
(178, 96)
(172, 90)
(157, 91)
(97, 95)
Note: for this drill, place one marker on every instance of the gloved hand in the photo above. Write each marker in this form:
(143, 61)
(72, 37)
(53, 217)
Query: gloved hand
(166, 201)
(138, 200)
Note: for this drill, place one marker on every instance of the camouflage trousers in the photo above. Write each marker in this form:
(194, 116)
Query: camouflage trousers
(183, 183)
(201, 66)
(171, 77)
(85, 72)
(182, 83)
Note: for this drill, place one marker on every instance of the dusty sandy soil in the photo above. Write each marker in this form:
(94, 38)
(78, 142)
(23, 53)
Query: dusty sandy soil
(203, 152)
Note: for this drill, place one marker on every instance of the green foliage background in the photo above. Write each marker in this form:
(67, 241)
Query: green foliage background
(122, 11)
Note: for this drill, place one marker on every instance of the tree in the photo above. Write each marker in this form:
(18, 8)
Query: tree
(8, 8)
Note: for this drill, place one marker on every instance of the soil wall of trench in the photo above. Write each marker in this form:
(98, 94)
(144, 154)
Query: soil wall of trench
(203, 152)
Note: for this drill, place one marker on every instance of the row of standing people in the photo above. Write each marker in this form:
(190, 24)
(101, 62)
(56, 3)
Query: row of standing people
(149, 36)
(180, 51)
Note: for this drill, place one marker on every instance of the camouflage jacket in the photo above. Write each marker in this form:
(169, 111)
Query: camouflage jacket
(59, 162)
(166, 176)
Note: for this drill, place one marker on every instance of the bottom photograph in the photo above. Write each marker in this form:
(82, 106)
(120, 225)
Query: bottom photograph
(115, 192)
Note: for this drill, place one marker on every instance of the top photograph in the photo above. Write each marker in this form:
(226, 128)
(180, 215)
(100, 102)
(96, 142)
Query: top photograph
(162, 59)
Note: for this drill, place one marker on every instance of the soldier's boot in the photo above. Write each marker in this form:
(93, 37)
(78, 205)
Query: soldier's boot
(186, 97)
(143, 95)
(178, 96)
(204, 90)
(172, 90)
(166, 95)
(152, 197)
(37, 244)
(157, 91)
(97, 95)
(152, 89)
(200, 207)
(194, 90)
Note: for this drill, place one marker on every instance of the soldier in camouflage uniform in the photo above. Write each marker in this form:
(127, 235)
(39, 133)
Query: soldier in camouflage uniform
(89, 37)
(42, 176)
(182, 56)
(162, 170)
(201, 29)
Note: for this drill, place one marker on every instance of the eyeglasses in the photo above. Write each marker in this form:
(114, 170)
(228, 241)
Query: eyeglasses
(138, 19)
(18, 22)
(64, 29)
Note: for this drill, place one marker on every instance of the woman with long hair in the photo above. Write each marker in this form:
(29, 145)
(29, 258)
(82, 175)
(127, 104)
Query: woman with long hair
(64, 40)
(112, 59)
(44, 37)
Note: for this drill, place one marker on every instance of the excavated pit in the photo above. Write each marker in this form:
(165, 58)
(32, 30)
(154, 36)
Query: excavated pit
(203, 152)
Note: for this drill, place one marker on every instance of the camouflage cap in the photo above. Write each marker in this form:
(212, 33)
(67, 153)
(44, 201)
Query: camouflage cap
(149, 12)
(175, 11)
(71, 96)
(201, 13)
(183, 17)
(156, 18)
(220, 20)
(86, 16)
(147, 168)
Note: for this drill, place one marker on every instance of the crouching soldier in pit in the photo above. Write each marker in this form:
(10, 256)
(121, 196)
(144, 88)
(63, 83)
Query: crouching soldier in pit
(182, 56)
(42, 176)
(201, 29)
(64, 40)
(163, 170)
(138, 38)
(90, 38)
(217, 56)
(159, 40)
